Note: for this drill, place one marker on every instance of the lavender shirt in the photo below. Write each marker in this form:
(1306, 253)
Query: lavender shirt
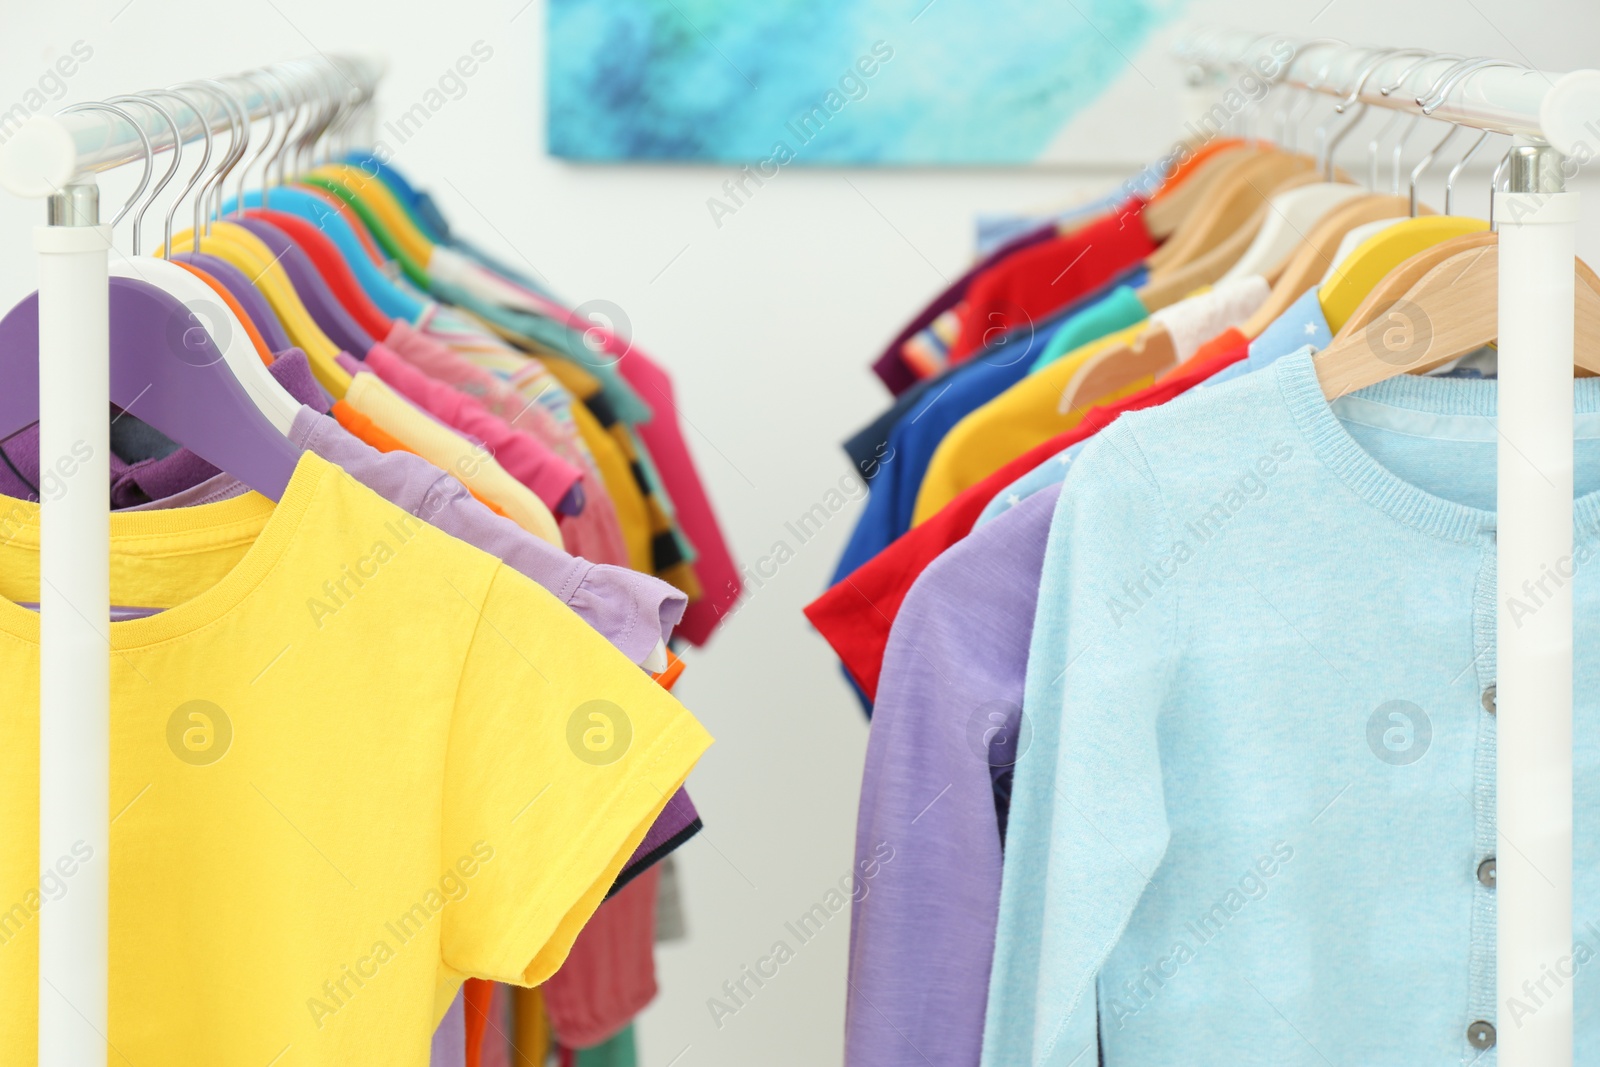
(945, 734)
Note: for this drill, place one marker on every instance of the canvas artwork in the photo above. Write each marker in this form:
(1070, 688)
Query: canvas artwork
(850, 82)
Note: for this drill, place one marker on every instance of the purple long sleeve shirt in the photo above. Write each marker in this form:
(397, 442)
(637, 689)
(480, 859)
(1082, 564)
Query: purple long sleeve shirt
(945, 733)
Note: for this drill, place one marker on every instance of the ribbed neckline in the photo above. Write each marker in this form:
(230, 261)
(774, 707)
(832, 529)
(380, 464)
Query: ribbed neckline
(201, 526)
(1377, 484)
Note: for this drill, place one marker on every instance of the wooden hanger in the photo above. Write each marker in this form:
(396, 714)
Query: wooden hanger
(1404, 276)
(1452, 310)
(1306, 266)
(1234, 200)
(1113, 371)
(1166, 213)
(1168, 287)
(1352, 281)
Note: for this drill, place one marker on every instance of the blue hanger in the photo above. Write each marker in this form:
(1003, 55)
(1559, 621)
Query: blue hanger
(390, 298)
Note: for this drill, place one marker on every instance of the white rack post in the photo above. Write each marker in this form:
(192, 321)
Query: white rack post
(74, 599)
(1553, 117)
(57, 157)
(1538, 227)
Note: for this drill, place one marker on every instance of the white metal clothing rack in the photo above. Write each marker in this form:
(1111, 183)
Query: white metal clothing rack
(1554, 120)
(57, 158)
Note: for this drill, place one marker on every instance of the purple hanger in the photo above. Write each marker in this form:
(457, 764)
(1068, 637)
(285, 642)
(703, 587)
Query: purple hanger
(325, 308)
(165, 372)
(255, 305)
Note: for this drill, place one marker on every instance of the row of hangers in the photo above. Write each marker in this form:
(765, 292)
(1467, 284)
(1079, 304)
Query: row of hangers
(1380, 261)
(302, 259)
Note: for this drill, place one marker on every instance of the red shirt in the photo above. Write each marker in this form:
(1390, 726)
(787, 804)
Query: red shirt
(1030, 286)
(855, 616)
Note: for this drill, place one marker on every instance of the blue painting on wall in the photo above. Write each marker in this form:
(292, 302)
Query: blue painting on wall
(843, 82)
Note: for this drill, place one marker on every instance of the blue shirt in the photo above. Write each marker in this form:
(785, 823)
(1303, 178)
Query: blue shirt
(913, 440)
(1303, 324)
(1261, 777)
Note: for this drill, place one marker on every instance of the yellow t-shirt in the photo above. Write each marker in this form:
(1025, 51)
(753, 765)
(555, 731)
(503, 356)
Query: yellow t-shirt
(450, 452)
(1025, 415)
(355, 762)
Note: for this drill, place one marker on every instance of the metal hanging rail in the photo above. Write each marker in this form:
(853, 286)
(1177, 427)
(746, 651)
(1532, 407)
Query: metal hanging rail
(57, 157)
(1554, 120)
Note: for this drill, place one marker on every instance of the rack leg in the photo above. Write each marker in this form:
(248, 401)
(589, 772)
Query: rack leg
(1538, 231)
(74, 596)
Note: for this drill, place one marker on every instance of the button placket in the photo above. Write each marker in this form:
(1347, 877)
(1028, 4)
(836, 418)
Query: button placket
(1478, 707)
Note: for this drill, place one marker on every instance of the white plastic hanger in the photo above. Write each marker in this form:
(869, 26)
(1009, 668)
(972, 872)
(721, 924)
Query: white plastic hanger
(1294, 214)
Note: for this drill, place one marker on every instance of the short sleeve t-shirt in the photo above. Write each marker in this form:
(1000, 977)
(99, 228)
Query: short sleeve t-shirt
(353, 763)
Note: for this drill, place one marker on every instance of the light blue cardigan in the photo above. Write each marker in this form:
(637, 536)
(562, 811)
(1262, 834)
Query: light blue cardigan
(1261, 783)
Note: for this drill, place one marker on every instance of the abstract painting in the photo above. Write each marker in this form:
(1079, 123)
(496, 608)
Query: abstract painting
(848, 82)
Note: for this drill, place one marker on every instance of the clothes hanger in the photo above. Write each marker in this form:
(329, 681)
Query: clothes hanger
(1319, 252)
(1163, 216)
(175, 380)
(1459, 300)
(1297, 212)
(1356, 274)
(382, 201)
(391, 300)
(220, 320)
(244, 250)
(319, 300)
(325, 255)
(1167, 286)
(402, 189)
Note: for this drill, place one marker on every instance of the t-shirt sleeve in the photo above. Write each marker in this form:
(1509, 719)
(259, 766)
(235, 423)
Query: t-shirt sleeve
(561, 755)
(1088, 824)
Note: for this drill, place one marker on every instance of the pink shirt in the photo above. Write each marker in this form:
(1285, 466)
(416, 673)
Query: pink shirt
(524, 456)
(596, 534)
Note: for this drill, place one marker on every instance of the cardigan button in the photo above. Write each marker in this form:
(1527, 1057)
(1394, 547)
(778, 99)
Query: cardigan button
(1488, 700)
(1480, 1035)
(1486, 872)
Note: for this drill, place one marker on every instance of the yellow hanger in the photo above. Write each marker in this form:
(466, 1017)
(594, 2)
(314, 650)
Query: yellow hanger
(1380, 254)
(245, 250)
(381, 200)
(1310, 262)
(1459, 298)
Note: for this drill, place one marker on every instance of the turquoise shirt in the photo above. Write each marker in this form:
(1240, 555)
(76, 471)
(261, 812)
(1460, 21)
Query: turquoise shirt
(1117, 310)
(1260, 784)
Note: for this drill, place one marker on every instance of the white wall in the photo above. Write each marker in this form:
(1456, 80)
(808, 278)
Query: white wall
(767, 323)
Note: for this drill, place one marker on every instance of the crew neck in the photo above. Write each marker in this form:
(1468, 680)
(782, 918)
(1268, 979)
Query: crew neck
(179, 530)
(1403, 501)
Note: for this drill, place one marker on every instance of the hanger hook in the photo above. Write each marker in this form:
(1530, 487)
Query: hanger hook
(274, 96)
(1494, 188)
(177, 155)
(200, 195)
(1331, 144)
(144, 139)
(1404, 74)
(284, 74)
(317, 98)
(205, 158)
(1427, 161)
(1455, 171)
(238, 140)
(1442, 90)
(1320, 135)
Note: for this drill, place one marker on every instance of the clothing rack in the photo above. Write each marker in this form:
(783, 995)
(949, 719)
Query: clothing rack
(1554, 120)
(57, 158)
